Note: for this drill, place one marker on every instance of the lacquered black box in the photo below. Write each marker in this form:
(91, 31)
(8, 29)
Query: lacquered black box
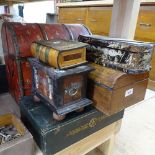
(52, 136)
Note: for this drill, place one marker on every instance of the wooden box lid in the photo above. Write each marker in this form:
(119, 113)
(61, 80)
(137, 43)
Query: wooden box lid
(114, 79)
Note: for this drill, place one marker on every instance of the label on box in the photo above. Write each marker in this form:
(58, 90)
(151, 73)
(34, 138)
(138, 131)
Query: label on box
(128, 92)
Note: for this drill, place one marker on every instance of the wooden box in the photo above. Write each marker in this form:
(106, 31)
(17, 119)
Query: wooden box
(132, 57)
(62, 90)
(59, 53)
(112, 90)
(22, 145)
(52, 136)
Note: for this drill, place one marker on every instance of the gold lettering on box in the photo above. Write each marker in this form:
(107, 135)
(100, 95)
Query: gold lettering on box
(91, 123)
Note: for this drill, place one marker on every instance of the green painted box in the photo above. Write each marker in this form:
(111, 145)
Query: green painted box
(52, 136)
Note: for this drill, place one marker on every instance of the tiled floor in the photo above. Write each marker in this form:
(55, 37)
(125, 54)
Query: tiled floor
(137, 134)
(149, 94)
(8, 105)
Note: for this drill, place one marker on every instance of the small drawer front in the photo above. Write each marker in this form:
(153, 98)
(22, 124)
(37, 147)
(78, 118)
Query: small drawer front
(72, 15)
(145, 30)
(73, 86)
(99, 19)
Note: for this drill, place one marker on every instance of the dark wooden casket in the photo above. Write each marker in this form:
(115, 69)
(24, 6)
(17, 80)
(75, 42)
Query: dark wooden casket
(132, 57)
(62, 90)
(112, 90)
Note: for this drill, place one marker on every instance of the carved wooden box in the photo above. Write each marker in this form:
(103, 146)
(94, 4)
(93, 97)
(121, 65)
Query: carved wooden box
(62, 90)
(112, 90)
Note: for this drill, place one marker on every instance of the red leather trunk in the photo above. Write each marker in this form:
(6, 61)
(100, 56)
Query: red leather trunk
(16, 41)
(19, 77)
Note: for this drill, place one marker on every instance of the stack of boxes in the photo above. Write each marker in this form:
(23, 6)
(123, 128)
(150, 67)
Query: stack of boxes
(16, 41)
(60, 77)
(121, 71)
